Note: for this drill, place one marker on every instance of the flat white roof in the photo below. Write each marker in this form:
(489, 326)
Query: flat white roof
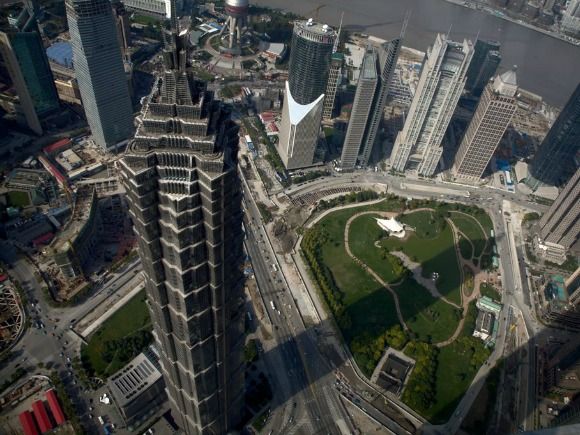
(391, 225)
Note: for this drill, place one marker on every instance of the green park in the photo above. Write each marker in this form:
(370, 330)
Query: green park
(415, 293)
(121, 338)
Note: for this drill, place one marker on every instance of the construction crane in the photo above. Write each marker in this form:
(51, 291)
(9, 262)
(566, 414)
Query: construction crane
(315, 12)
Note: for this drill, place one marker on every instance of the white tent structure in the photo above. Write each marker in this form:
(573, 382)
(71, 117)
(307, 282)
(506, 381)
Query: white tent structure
(392, 226)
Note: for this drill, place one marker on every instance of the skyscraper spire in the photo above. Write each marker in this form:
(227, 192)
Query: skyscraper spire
(176, 44)
(337, 40)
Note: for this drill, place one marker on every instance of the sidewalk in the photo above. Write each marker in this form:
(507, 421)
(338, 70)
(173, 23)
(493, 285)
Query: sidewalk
(109, 307)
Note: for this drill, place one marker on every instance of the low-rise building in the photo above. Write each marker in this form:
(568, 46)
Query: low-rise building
(138, 389)
(275, 50)
(394, 370)
(25, 231)
(487, 304)
(487, 323)
(36, 185)
(484, 325)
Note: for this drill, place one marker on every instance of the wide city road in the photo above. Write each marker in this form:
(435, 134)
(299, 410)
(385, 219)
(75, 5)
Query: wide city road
(310, 403)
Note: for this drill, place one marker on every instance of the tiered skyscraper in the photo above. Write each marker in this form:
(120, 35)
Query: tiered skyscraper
(369, 104)
(555, 160)
(490, 121)
(560, 226)
(184, 195)
(310, 57)
(419, 145)
(25, 59)
(483, 66)
(99, 70)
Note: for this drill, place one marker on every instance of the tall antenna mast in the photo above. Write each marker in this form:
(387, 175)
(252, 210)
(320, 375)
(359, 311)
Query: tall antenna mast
(335, 48)
(405, 23)
(449, 31)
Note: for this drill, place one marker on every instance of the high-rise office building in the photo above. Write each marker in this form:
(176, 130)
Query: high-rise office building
(184, 195)
(299, 131)
(419, 145)
(554, 162)
(361, 107)
(560, 225)
(571, 18)
(310, 59)
(483, 66)
(334, 79)
(25, 59)
(99, 70)
(388, 54)
(490, 121)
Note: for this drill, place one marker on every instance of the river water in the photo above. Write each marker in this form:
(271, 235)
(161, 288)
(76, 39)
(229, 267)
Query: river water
(546, 66)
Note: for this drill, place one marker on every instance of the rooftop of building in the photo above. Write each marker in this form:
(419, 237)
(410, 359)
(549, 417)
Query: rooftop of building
(140, 373)
(506, 84)
(397, 367)
(315, 29)
(369, 65)
(21, 177)
(484, 322)
(16, 18)
(61, 53)
(338, 56)
(276, 48)
(82, 208)
(486, 303)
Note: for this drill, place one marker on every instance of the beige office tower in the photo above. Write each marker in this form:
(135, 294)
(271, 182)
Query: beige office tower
(184, 196)
(418, 146)
(490, 121)
(299, 131)
(560, 226)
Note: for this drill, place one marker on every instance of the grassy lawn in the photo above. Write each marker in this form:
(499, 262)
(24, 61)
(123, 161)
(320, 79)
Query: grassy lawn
(432, 319)
(468, 226)
(435, 254)
(457, 365)
(129, 319)
(371, 308)
(363, 234)
(468, 280)
(453, 377)
(425, 223)
(478, 418)
(18, 199)
(489, 291)
(465, 248)
(145, 20)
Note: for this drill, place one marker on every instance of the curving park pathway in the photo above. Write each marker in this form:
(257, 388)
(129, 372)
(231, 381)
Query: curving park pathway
(371, 272)
(417, 270)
